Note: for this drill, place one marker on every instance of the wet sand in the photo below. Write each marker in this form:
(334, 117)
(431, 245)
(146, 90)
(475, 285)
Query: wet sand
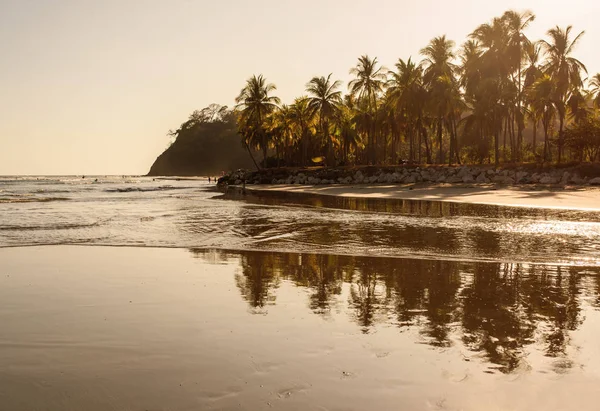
(97, 328)
(581, 198)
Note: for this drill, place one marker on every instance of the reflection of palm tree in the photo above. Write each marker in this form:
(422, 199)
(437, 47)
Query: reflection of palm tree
(365, 300)
(494, 319)
(499, 312)
(259, 278)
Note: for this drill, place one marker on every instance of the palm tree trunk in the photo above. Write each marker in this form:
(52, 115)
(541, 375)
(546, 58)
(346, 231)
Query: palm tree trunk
(534, 138)
(456, 148)
(560, 137)
(427, 147)
(504, 142)
(251, 156)
(411, 152)
(439, 135)
(497, 148)
(545, 124)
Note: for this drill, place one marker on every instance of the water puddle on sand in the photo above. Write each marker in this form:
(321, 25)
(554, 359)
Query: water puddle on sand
(105, 328)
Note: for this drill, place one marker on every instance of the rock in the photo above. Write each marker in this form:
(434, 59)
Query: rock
(417, 176)
(503, 180)
(481, 178)
(410, 179)
(575, 179)
(463, 172)
(467, 178)
(441, 179)
(520, 176)
(491, 172)
(548, 180)
(595, 181)
(565, 177)
(454, 179)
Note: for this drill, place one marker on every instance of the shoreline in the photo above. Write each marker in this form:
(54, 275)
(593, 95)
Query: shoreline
(543, 197)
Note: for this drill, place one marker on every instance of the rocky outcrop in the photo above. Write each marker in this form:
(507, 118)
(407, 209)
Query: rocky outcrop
(410, 175)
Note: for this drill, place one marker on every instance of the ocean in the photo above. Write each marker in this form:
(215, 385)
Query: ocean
(191, 213)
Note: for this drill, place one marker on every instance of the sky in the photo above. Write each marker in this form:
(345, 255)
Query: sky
(92, 87)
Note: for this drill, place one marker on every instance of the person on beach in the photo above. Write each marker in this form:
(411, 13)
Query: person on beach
(208, 180)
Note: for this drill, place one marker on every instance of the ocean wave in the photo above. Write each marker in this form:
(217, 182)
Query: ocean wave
(22, 199)
(144, 189)
(65, 226)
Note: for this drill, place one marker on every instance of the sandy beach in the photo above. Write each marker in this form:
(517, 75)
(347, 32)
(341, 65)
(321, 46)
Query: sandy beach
(580, 198)
(100, 328)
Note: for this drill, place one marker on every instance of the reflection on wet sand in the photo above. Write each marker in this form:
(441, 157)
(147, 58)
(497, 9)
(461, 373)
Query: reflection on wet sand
(498, 310)
(117, 328)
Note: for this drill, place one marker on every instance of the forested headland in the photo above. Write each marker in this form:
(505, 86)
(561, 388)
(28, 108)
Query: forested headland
(499, 97)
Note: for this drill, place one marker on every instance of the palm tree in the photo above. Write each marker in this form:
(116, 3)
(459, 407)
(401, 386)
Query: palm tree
(543, 94)
(255, 104)
(595, 89)
(324, 98)
(281, 129)
(438, 78)
(564, 70)
(302, 118)
(517, 22)
(405, 91)
(367, 85)
(346, 127)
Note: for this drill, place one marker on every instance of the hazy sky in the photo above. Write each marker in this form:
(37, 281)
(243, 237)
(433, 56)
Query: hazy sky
(92, 87)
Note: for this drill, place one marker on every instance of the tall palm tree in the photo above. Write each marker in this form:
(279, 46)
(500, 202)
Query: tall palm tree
(543, 95)
(367, 85)
(496, 91)
(565, 71)
(302, 118)
(324, 98)
(254, 104)
(405, 91)
(517, 22)
(438, 77)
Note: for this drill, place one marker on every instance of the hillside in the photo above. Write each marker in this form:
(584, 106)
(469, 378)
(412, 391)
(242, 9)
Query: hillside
(206, 144)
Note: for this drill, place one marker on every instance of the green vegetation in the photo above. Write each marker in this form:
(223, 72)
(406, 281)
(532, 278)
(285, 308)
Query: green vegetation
(483, 102)
(206, 144)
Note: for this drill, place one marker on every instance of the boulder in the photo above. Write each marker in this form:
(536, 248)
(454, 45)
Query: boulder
(548, 180)
(575, 179)
(503, 180)
(467, 178)
(595, 181)
(481, 178)
(520, 176)
(463, 171)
